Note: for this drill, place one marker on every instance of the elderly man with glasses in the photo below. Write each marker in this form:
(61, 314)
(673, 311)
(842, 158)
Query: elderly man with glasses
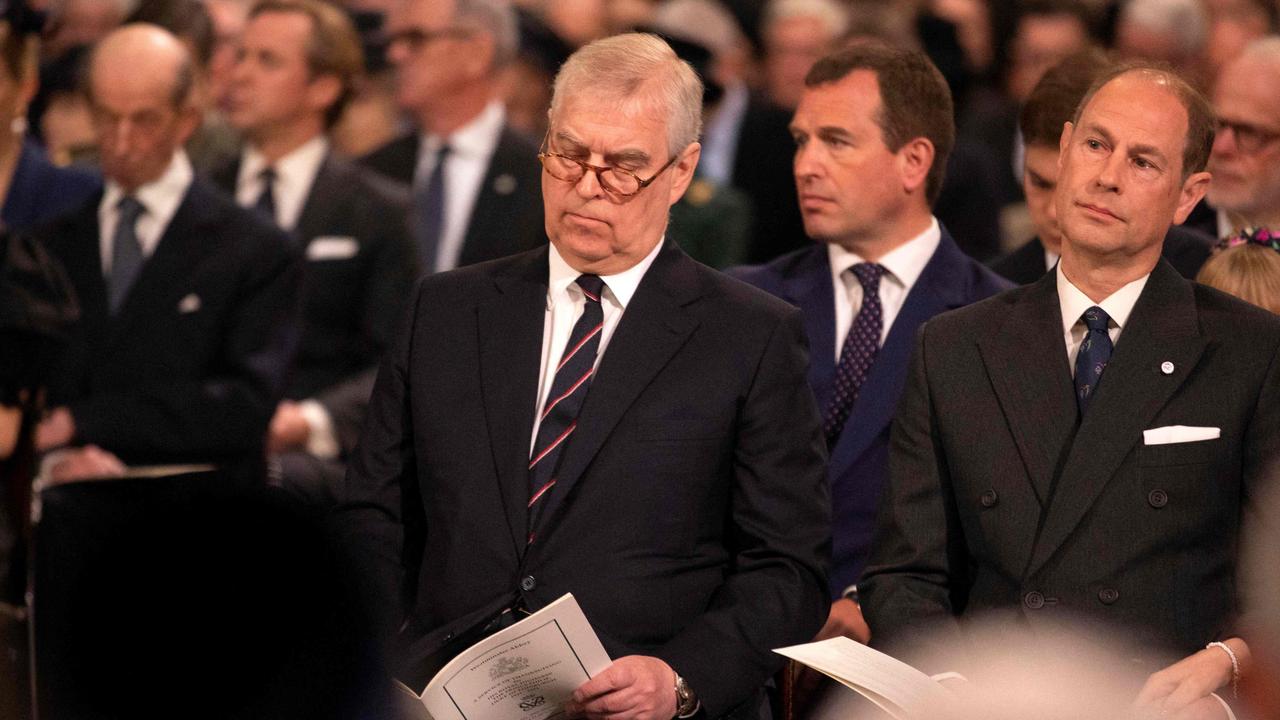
(475, 183)
(606, 417)
(1245, 162)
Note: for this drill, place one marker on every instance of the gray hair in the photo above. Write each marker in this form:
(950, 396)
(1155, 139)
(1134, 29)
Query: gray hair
(631, 69)
(1185, 20)
(1264, 48)
(496, 17)
(833, 15)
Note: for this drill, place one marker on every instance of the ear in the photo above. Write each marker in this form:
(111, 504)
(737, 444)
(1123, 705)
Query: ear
(915, 158)
(189, 118)
(683, 171)
(1193, 189)
(1064, 140)
(323, 91)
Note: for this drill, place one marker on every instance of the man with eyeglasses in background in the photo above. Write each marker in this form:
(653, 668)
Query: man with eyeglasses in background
(475, 180)
(1245, 161)
(602, 416)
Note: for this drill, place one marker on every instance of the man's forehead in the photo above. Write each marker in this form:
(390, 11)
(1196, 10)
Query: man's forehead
(1133, 103)
(609, 129)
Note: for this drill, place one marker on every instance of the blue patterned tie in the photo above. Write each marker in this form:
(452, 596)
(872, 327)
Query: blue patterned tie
(428, 203)
(568, 391)
(861, 346)
(1094, 354)
(126, 251)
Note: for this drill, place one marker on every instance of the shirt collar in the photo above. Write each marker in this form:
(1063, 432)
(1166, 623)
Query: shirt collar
(161, 196)
(296, 169)
(477, 139)
(1117, 306)
(622, 285)
(904, 263)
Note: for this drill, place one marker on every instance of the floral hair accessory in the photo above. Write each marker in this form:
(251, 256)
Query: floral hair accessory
(1251, 236)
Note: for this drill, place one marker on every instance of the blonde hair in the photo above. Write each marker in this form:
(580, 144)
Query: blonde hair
(1249, 272)
(633, 68)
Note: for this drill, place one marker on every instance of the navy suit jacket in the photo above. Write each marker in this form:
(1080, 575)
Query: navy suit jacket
(859, 463)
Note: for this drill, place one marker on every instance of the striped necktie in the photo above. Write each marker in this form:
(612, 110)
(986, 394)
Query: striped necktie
(568, 390)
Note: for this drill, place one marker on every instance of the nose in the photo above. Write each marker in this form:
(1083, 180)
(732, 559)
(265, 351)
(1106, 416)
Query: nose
(807, 162)
(1110, 171)
(1223, 146)
(588, 186)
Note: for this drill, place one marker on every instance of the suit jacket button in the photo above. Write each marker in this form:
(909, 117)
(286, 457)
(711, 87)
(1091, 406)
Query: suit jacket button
(1158, 498)
(1033, 600)
(528, 583)
(989, 499)
(1108, 595)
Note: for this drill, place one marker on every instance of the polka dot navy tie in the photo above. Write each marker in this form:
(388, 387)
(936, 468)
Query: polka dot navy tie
(858, 353)
(1095, 352)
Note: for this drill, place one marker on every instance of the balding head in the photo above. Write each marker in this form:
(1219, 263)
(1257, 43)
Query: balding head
(1246, 154)
(140, 85)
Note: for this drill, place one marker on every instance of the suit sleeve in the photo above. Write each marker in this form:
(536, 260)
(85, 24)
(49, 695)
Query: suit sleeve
(393, 269)
(376, 516)
(909, 588)
(228, 409)
(779, 536)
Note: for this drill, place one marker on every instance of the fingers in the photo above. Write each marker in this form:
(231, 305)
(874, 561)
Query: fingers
(632, 688)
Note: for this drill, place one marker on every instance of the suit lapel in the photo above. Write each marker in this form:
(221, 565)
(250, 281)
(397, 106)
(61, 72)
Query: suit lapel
(1162, 328)
(653, 327)
(938, 289)
(510, 330)
(1026, 360)
(322, 203)
(810, 289)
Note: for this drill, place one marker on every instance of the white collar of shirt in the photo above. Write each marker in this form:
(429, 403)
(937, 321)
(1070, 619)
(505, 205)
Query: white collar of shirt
(295, 174)
(903, 265)
(160, 199)
(1050, 259)
(1073, 303)
(470, 148)
(1225, 226)
(565, 303)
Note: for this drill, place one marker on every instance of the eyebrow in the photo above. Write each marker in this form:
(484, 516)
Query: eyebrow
(1137, 149)
(626, 156)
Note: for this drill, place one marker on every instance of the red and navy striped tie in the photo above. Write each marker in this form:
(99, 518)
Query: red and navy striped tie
(568, 390)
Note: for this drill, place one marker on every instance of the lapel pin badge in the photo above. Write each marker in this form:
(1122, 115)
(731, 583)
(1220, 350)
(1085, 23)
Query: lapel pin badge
(189, 304)
(1166, 367)
(504, 184)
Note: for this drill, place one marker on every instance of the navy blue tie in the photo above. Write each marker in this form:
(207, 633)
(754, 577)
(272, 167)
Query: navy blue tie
(428, 203)
(266, 202)
(568, 391)
(126, 251)
(861, 346)
(1095, 353)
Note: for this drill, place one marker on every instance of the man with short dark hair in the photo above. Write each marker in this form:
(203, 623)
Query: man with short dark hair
(602, 416)
(475, 180)
(1080, 450)
(187, 301)
(872, 131)
(1052, 103)
(295, 69)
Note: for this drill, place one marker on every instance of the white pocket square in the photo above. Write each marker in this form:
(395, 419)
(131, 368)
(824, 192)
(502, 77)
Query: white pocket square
(189, 304)
(332, 247)
(1171, 434)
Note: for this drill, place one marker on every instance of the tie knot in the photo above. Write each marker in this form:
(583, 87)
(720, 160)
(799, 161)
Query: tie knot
(591, 286)
(1095, 318)
(130, 209)
(869, 275)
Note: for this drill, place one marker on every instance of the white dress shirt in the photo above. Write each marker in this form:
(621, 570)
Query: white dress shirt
(160, 199)
(903, 266)
(470, 149)
(1073, 302)
(295, 174)
(1050, 259)
(565, 304)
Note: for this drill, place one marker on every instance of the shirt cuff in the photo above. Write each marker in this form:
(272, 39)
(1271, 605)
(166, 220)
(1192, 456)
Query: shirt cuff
(321, 440)
(1230, 715)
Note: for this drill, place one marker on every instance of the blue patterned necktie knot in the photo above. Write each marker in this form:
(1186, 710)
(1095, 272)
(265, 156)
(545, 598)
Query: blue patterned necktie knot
(1095, 353)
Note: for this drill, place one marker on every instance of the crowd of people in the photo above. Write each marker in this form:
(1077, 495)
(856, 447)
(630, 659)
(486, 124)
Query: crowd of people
(749, 323)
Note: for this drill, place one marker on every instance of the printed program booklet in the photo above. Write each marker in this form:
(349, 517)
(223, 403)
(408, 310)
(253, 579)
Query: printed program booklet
(523, 672)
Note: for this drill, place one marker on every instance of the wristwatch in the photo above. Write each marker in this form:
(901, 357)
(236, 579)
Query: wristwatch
(686, 701)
